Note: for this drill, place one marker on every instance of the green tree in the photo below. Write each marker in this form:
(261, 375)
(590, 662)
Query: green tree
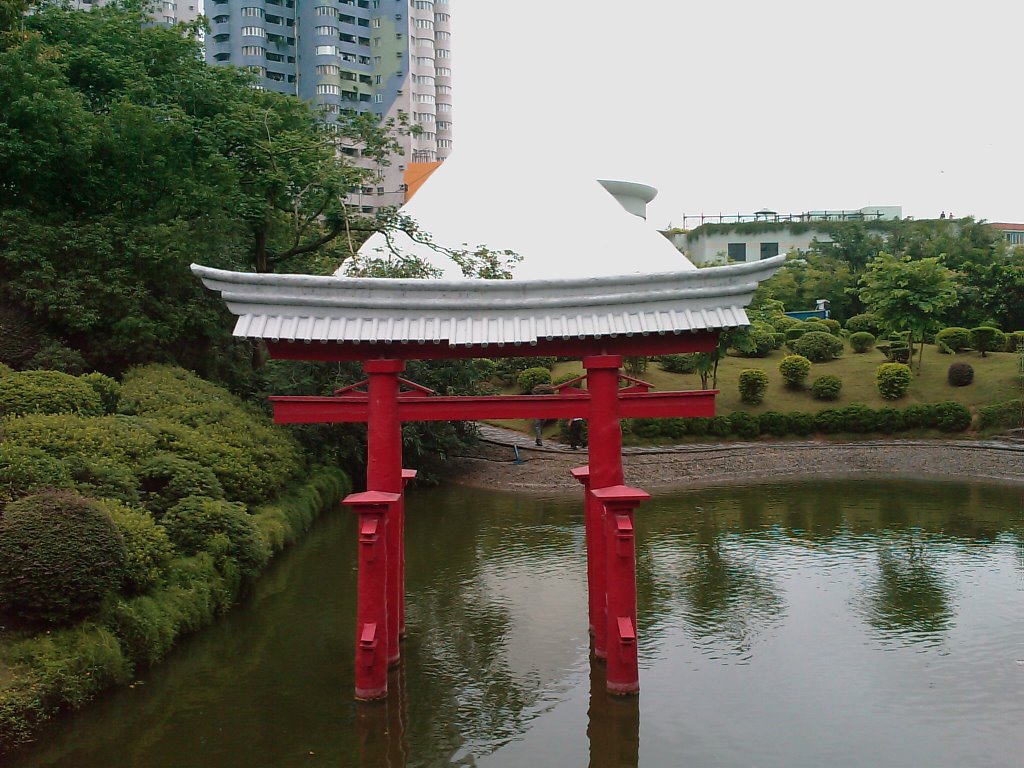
(908, 295)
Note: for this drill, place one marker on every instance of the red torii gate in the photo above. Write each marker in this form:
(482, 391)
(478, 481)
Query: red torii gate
(383, 323)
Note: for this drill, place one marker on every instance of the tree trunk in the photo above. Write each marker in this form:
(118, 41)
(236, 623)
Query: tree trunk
(260, 250)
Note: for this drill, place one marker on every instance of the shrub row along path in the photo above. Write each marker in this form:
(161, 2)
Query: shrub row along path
(545, 469)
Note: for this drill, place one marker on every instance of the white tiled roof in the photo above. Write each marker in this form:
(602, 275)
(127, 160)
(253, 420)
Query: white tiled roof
(485, 312)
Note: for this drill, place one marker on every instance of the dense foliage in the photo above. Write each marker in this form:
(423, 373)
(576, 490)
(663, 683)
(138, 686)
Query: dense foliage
(794, 370)
(818, 347)
(24, 392)
(960, 374)
(861, 341)
(893, 380)
(753, 384)
(826, 387)
(60, 554)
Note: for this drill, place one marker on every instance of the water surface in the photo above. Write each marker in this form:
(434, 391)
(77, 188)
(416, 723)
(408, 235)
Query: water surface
(814, 624)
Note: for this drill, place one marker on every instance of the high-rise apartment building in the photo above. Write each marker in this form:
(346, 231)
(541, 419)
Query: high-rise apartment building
(162, 11)
(384, 57)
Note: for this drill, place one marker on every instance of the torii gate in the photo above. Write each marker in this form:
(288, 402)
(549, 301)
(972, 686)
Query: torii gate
(383, 322)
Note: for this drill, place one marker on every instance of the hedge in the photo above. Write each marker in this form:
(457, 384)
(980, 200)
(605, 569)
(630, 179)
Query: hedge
(1009, 415)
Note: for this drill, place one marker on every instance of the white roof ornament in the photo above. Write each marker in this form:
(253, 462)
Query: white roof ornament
(562, 225)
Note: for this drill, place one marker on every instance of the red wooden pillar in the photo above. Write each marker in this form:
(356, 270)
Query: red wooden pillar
(407, 476)
(603, 427)
(619, 503)
(371, 597)
(384, 473)
(596, 556)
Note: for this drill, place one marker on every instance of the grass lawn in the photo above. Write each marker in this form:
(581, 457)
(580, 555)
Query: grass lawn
(996, 379)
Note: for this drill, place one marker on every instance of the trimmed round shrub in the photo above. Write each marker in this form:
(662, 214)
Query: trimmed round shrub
(784, 322)
(60, 554)
(531, 377)
(794, 370)
(834, 326)
(952, 340)
(826, 387)
(987, 339)
(829, 421)
(24, 470)
(762, 343)
(889, 420)
(859, 419)
(800, 423)
(166, 479)
(952, 417)
(678, 363)
(893, 380)
(818, 347)
(107, 388)
(24, 392)
(753, 385)
(222, 528)
(793, 334)
(921, 416)
(147, 546)
(744, 424)
(864, 323)
(861, 341)
(719, 426)
(960, 374)
(815, 326)
(774, 423)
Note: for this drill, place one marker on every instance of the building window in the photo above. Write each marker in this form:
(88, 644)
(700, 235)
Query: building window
(444, 144)
(443, 107)
(254, 32)
(327, 69)
(250, 11)
(325, 31)
(378, 98)
(253, 50)
(424, 24)
(326, 50)
(326, 10)
(443, 53)
(737, 251)
(769, 249)
(443, 72)
(222, 57)
(425, 98)
(441, 35)
(328, 89)
(375, 23)
(221, 19)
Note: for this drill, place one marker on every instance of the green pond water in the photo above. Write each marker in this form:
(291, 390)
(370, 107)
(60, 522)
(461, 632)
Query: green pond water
(855, 623)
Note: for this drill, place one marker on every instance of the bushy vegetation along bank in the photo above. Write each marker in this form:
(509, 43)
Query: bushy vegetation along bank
(131, 513)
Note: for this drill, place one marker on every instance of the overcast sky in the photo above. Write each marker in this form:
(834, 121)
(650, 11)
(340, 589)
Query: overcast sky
(733, 105)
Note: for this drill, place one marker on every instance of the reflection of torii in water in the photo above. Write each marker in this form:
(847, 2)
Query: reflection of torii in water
(383, 322)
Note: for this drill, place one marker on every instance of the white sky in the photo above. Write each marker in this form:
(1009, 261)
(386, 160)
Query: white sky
(734, 105)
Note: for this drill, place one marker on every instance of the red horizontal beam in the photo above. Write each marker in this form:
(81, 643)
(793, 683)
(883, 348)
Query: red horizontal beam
(636, 345)
(354, 409)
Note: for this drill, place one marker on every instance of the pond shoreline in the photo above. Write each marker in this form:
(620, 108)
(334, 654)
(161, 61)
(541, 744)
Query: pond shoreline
(545, 470)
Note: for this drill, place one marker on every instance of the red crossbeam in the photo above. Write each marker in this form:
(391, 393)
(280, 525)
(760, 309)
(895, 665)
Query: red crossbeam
(355, 408)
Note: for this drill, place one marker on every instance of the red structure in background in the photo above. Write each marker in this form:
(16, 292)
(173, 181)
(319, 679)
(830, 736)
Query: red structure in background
(384, 400)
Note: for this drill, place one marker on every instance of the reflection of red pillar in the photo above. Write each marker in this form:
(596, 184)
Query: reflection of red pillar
(596, 556)
(407, 476)
(620, 502)
(372, 595)
(384, 473)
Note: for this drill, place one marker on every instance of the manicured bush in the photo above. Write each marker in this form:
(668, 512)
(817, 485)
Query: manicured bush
(987, 339)
(783, 323)
(858, 419)
(794, 370)
(952, 417)
(719, 426)
(753, 384)
(778, 339)
(889, 420)
(24, 392)
(892, 380)
(166, 479)
(920, 416)
(801, 423)
(864, 323)
(744, 424)
(793, 334)
(774, 423)
(222, 528)
(485, 367)
(818, 347)
(24, 470)
(54, 356)
(678, 363)
(1015, 341)
(953, 339)
(829, 421)
(147, 548)
(66, 435)
(531, 377)
(1008, 414)
(826, 387)
(107, 388)
(698, 426)
(569, 377)
(102, 478)
(861, 341)
(895, 352)
(655, 428)
(834, 326)
(60, 554)
(509, 368)
(960, 374)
